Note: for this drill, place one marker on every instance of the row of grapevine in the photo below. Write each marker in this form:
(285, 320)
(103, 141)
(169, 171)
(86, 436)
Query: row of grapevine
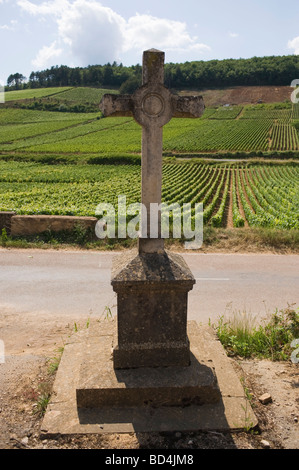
(123, 135)
(284, 137)
(238, 220)
(283, 210)
(273, 114)
(58, 136)
(179, 187)
(295, 111)
(271, 191)
(218, 219)
(251, 217)
(15, 116)
(226, 112)
(261, 206)
(264, 206)
(218, 135)
(265, 195)
(209, 209)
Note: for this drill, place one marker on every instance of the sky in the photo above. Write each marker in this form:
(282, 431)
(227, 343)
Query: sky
(38, 34)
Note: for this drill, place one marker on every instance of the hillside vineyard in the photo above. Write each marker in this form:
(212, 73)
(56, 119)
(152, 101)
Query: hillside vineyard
(233, 194)
(58, 155)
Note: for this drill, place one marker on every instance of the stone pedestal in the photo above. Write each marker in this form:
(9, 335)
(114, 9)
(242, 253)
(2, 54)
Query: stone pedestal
(152, 297)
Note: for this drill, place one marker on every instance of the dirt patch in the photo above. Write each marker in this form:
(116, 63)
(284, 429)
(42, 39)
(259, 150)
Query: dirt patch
(243, 95)
(30, 342)
(278, 420)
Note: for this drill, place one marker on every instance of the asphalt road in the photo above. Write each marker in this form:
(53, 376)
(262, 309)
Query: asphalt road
(78, 283)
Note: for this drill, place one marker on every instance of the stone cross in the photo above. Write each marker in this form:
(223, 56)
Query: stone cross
(152, 106)
(152, 286)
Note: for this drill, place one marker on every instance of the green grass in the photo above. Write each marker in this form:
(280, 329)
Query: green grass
(115, 135)
(73, 100)
(272, 339)
(84, 95)
(17, 135)
(43, 398)
(73, 94)
(33, 93)
(54, 362)
(16, 116)
(215, 239)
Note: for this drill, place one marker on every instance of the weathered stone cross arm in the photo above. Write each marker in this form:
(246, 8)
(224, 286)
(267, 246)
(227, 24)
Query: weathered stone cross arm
(116, 105)
(124, 105)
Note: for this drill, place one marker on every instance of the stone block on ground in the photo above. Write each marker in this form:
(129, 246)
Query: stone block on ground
(231, 412)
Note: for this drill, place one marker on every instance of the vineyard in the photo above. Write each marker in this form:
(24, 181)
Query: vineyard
(233, 194)
(254, 128)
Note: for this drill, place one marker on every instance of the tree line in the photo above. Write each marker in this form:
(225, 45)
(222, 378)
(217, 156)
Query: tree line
(272, 70)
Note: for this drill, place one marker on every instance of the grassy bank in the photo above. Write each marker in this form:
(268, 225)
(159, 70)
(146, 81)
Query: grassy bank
(236, 240)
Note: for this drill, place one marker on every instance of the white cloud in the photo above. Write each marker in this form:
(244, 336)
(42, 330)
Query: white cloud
(47, 55)
(233, 35)
(53, 7)
(92, 32)
(145, 31)
(294, 44)
(9, 27)
(89, 33)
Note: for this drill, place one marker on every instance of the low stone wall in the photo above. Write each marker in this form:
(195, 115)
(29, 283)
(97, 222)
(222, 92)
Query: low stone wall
(5, 221)
(22, 225)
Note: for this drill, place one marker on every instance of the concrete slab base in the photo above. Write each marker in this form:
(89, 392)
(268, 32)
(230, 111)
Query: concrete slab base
(86, 377)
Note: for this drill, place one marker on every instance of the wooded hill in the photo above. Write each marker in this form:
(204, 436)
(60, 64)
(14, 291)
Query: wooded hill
(273, 70)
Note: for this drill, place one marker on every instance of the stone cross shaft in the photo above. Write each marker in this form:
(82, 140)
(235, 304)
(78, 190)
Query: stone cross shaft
(152, 106)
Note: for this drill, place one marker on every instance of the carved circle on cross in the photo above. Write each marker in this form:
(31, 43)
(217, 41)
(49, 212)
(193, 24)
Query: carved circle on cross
(152, 105)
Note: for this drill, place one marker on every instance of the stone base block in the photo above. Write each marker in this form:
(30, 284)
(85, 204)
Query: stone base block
(231, 412)
(145, 355)
(152, 303)
(101, 385)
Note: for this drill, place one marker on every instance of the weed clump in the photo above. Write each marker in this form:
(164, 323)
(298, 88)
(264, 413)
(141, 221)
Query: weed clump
(272, 339)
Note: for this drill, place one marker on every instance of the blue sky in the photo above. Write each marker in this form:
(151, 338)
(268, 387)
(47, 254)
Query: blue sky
(36, 34)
